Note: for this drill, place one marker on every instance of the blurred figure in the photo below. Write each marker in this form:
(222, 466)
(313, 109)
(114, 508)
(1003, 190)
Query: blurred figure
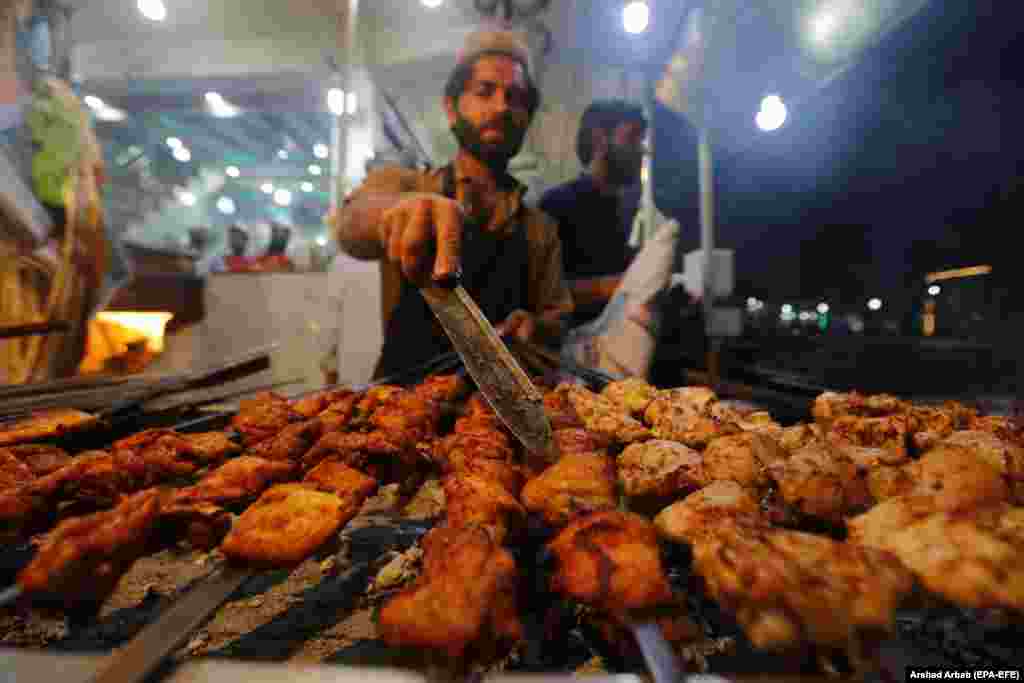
(276, 258)
(353, 332)
(233, 259)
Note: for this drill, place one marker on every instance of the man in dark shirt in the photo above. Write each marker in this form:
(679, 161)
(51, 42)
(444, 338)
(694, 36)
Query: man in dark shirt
(595, 212)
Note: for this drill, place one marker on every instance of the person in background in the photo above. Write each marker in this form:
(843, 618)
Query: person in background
(275, 259)
(595, 212)
(466, 218)
(233, 259)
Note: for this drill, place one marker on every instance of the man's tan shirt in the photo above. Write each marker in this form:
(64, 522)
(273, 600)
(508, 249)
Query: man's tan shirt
(547, 292)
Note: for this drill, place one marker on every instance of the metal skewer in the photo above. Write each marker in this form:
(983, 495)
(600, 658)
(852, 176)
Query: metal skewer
(10, 595)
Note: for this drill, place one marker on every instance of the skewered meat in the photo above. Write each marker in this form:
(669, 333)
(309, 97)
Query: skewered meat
(690, 400)
(202, 525)
(831, 405)
(602, 416)
(787, 588)
(472, 500)
(406, 418)
(338, 414)
(577, 440)
(442, 388)
(44, 424)
(236, 481)
(83, 558)
(819, 481)
(466, 593)
(353, 449)
(22, 513)
(13, 472)
(510, 477)
(698, 517)
(973, 558)
(1006, 456)
(890, 431)
(1006, 428)
(371, 399)
(428, 503)
(743, 458)
(341, 480)
(694, 430)
(957, 478)
(579, 483)
(610, 560)
(799, 435)
(876, 527)
(212, 447)
(560, 412)
(291, 443)
(659, 468)
(286, 525)
(42, 459)
(930, 426)
(453, 450)
(263, 416)
(631, 395)
(312, 405)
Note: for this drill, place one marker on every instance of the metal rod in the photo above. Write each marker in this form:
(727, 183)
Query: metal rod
(10, 595)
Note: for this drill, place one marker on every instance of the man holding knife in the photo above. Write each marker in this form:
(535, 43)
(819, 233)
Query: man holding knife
(466, 219)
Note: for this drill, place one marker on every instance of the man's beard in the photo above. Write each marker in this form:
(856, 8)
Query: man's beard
(495, 155)
(623, 165)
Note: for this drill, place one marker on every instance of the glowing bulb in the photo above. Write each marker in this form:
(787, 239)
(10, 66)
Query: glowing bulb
(187, 198)
(336, 101)
(787, 309)
(636, 16)
(934, 290)
(307, 186)
(94, 102)
(226, 205)
(173, 143)
(267, 188)
(824, 25)
(431, 4)
(875, 304)
(320, 150)
(314, 169)
(283, 197)
(233, 171)
(282, 154)
(322, 241)
(772, 114)
(182, 154)
(823, 308)
(153, 10)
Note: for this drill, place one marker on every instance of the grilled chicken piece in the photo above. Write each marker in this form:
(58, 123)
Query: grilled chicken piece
(559, 411)
(465, 594)
(973, 558)
(695, 400)
(472, 500)
(428, 503)
(164, 448)
(876, 527)
(602, 416)
(316, 403)
(22, 514)
(831, 405)
(44, 424)
(685, 415)
(660, 469)
(788, 588)
(442, 388)
(451, 451)
(697, 517)
(957, 478)
(354, 449)
(510, 477)
(1006, 456)
(202, 525)
(743, 458)
(819, 481)
(339, 413)
(13, 472)
(930, 425)
(263, 416)
(286, 525)
(610, 560)
(631, 395)
(799, 435)
(1006, 428)
(341, 480)
(578, 440)
(212, 447)
(83, 558)
(42, 459)
(236, 481)
(890, 431)
(406, 418)
(579, 483)
(291, 443)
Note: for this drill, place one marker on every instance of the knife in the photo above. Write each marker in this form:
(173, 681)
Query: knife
(514, 398)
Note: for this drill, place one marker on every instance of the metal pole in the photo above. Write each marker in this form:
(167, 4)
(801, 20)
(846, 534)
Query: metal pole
(340, 124)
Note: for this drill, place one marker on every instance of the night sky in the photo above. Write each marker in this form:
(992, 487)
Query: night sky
(908, 162)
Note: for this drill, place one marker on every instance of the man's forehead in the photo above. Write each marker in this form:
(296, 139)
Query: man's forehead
(499, 69)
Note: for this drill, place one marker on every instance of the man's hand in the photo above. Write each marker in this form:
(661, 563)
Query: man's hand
(423, 234)
(519, 324)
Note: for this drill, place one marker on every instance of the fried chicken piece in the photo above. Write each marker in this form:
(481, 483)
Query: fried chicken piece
(876, 527)
(43, 424)
(83, 558)
(354, 449)
(957, 478)
(312, 405)
(291, 443)
(697, 517)
(743, 458)
(974, 558)
(341, 480)
(831, 405)
(890, 431)
(819, 481)
(692, 429)
(22, 514)
(450, 451)
(660, 469)
(1006, 456)
(577, 440)
(509, 476)
(1006, 428)
(472, 500)
(407, 418)
(236, 481)
(799, 435)
(631, 395)
(560, 412)
(930, 425)
(428, 503)
(263, 416)
(202, 525)
(164, 449)
(579, 483)
(442, 388)
(465, 595)
(338, 414)
(13, 472)
(212, 447)
(602, 416)
(789, 588)
(690, 400)
(610, 560)
(101, 478)
(286, 525)
(42, 459)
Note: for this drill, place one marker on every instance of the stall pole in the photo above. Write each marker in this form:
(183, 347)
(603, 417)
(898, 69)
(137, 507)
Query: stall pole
(340, 124)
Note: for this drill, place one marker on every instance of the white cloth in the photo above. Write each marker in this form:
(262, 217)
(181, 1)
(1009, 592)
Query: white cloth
(352, 334)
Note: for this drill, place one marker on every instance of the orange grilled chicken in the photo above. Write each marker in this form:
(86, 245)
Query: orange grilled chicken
(659, 469)
(890, 431)
(355, 449)
(1005, 455)
(797, 436)
(472, 500)
(443, 388)
(559, 411)
(631, 395)
(263, 416)
(698, 517)
(236, 481)
(291, 443)
(13, 472)
(831, 405)
(579, 440)
(312, 405)
(820, 481)
(743, 458)
(41, 459)
(954, 477)
(579, 483)
(341, 480)
(601, 415)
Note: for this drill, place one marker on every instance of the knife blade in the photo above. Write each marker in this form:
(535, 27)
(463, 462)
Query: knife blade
(137, 659)
(514, 398)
